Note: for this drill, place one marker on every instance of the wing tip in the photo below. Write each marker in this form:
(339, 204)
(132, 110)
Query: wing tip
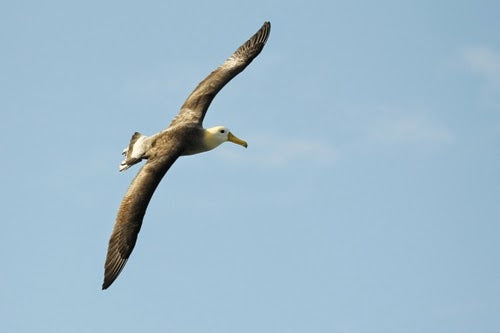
(108, 280)
(254, 45)
(111, 276)
(113, 266)
(264, 32)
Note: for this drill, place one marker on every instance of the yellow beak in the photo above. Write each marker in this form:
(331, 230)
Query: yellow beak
(234, 139)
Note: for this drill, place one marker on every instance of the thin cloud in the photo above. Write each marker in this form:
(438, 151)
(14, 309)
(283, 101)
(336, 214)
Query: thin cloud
(275, 151)
(413, 129)
(484, 61)
(387, 128)
(377, 130)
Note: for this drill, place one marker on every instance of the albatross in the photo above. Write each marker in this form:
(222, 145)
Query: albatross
(184, 136)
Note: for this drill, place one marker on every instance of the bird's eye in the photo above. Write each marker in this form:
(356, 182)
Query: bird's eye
(222, 131)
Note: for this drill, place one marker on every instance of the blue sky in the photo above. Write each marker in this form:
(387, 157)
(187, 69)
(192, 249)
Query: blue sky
(367, 201)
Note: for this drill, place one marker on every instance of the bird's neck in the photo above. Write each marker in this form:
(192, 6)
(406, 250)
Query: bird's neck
(210, 140)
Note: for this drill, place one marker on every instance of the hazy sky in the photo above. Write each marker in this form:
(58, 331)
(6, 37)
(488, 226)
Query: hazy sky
(367, 200)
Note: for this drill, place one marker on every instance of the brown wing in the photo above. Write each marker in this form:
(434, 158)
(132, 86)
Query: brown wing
(132, 209)
(196, 105)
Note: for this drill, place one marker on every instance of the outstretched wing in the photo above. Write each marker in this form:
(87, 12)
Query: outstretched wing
(196, 105)
(132, 209)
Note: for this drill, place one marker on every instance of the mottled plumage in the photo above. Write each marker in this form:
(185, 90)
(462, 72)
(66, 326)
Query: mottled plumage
(184, 136)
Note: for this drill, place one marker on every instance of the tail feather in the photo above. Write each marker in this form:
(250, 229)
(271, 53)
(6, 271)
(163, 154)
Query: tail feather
(135, 151)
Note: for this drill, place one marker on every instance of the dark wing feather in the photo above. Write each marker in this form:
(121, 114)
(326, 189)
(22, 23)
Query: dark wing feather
(196, 105)
(132, 209)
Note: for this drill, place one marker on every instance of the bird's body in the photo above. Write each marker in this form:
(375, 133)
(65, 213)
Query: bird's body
(184, 136)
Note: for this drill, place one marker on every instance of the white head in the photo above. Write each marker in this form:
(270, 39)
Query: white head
(214, 136)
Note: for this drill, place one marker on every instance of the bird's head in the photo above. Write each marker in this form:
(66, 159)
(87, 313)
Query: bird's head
(214, 136)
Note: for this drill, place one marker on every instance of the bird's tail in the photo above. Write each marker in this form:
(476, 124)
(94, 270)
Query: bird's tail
(135, 151)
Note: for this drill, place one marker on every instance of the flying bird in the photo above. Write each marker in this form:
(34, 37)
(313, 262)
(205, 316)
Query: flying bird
(184, 136)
